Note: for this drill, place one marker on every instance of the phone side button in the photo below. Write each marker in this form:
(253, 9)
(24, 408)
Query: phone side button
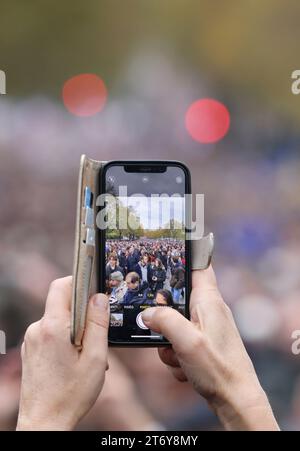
(90, 237)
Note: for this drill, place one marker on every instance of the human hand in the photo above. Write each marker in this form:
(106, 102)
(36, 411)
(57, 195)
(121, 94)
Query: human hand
(59, 382)
(208, 352)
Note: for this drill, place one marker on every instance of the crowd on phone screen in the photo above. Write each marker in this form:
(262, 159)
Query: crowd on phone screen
(145, 272)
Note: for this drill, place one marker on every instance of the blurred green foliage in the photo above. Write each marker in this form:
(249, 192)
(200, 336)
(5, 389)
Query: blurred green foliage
(247, 47)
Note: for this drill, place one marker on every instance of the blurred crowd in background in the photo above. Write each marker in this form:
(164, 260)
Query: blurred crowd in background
(251, 184)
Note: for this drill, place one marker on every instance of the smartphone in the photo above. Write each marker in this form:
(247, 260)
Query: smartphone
(144, 256)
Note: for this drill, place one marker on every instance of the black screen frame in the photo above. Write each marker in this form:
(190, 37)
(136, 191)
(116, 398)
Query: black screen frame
(100, 240)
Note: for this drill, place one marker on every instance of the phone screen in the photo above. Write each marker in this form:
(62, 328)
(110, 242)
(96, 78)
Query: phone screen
(144, 246)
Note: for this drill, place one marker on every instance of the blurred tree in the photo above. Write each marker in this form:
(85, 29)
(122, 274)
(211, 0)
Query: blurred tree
(122, 221)
(173, 230)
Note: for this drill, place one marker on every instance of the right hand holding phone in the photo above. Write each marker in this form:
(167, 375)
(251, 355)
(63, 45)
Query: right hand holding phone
(208, 351)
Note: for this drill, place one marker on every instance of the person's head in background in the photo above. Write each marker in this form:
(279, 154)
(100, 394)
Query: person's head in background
(158, 263)
(113, 260)
(164, 298)
(132, 281)
(177, 260)
(116, 278)
(145, 259)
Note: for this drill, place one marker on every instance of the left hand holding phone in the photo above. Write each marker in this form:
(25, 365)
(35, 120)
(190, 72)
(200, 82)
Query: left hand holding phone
(60, 383)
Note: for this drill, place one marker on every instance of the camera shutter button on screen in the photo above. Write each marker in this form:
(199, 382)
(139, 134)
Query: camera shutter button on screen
(140, 322)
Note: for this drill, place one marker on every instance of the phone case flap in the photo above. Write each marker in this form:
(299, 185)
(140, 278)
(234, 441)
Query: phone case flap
(84, 249)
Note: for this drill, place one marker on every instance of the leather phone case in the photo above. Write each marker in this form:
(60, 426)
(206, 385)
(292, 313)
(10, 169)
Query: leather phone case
(85, 249)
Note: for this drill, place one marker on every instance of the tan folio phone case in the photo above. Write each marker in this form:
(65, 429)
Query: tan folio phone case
(85, 249)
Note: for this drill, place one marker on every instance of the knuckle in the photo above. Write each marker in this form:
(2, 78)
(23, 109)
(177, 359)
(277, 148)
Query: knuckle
(32, 333)
(54, 284)
(197, 342)
(48, 329)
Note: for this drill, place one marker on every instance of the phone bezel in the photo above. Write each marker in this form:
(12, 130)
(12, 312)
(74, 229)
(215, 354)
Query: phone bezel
(100, 240)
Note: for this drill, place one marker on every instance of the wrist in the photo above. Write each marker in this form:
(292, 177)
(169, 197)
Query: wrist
(245, 412)
(44, 423)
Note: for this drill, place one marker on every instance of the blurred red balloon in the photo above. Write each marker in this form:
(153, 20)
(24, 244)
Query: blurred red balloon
(84, 95)
(207, 120)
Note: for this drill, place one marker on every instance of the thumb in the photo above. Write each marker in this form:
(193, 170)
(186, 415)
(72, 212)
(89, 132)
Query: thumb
(180, 332)
(97, 322)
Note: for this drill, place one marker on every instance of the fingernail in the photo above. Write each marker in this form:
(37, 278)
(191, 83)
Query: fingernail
(101, 301)
(147, 314)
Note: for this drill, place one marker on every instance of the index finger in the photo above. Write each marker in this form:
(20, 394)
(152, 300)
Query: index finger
(58, 303)
(204, 286)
